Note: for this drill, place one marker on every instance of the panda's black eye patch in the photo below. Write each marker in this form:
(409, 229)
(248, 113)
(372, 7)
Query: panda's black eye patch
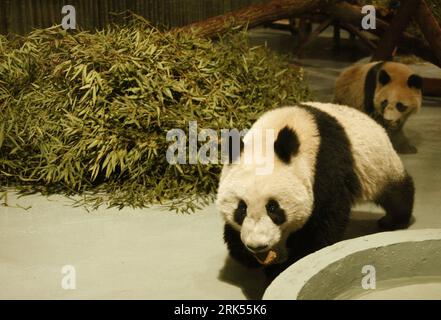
(274, 211)
(401, 107)
(384, 104)
(286, 145)
(384, 77)
(241, 212)
(415, 81)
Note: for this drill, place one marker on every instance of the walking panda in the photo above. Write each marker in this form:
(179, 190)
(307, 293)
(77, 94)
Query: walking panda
(326, 157)
(387, 91)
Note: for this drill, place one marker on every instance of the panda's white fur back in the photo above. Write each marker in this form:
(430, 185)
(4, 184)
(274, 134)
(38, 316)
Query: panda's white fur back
(376, 162)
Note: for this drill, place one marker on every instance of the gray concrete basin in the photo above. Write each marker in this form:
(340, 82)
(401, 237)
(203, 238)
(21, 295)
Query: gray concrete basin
(389, 265)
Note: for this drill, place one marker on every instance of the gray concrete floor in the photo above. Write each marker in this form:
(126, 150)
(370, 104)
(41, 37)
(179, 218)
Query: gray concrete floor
(155, 254)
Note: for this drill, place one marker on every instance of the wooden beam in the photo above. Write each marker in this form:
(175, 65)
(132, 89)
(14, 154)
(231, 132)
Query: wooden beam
(321, 27)
(356, 31)
(304, 30)
(336, 35)
(393, 35)
(351, 14)
(255, 15)
(430, 28)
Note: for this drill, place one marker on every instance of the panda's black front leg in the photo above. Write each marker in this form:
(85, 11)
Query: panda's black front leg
(272, 271)
(401, 143)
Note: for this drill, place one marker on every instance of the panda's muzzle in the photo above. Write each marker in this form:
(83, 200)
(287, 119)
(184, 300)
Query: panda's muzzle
(263, 254)
(266, 257)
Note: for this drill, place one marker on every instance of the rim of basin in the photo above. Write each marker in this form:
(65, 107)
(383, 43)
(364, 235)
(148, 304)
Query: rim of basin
(289, 284)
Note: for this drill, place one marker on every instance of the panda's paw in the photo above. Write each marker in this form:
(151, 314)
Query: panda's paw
(388, 223)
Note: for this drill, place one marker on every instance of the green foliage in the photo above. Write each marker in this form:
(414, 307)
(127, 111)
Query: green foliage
(87, 114)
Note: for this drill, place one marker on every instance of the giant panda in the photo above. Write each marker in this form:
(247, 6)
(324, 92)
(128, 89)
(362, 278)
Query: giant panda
(326, 157)
(387, 91)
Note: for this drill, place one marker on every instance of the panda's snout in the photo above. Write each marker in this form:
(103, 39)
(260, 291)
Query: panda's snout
(259, 235)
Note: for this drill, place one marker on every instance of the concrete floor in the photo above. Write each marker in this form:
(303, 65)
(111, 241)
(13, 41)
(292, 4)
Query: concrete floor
(155, 254)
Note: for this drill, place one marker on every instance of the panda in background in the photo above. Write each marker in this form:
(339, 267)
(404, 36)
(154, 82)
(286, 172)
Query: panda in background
(389, 92)
(326, 158)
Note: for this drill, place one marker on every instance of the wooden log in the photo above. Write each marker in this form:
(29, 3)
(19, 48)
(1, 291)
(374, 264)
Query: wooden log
(337, 35)
(351, 14)
(394, 33)
(292, 26)
(430, 28)
(305, 27)
(356, 31)
(255, 15)
(325, 24)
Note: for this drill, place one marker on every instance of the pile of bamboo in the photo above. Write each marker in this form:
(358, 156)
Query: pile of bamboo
(89, 113)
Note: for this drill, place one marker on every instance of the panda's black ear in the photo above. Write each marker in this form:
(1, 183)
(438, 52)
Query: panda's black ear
(286, 145)
(383, 77)
(415, 81)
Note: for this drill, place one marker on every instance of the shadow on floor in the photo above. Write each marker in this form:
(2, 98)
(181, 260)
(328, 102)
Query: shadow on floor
(253, 282)
(362, 223)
